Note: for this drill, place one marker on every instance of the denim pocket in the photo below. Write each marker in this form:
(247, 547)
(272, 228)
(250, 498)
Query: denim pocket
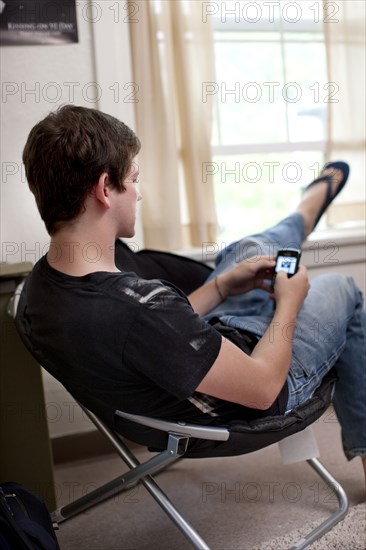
(298, 369)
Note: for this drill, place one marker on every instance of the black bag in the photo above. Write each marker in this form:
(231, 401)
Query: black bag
(25, 523)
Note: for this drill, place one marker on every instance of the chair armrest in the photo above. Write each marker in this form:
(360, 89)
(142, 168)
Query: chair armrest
(193, 430)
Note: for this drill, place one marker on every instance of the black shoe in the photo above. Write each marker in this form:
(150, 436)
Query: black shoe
(343, 166)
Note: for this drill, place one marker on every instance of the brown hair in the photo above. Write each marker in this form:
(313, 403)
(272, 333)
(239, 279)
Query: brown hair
(66, 153)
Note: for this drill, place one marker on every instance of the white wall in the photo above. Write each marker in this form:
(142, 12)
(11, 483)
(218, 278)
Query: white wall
(35, 80)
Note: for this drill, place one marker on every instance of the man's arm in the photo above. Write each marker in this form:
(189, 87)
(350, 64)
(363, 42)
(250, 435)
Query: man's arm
(255, 381)
(247, 275)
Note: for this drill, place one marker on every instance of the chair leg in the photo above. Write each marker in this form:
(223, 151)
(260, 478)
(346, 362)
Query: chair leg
(123, 483)
(138, 473)
(334, 518)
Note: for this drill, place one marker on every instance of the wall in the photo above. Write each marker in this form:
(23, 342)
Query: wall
(35, 80)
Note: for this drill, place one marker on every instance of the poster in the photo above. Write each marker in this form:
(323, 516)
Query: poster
(28, 22)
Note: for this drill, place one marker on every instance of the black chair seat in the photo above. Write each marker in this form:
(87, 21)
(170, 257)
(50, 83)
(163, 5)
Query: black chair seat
(245, 437)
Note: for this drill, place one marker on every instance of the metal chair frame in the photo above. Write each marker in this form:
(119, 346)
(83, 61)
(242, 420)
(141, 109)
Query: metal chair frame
(178, 438)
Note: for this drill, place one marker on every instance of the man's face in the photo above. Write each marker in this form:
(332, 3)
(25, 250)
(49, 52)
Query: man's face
(125, 203)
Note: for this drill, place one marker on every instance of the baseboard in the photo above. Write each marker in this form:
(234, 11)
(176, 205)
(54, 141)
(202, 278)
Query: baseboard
(80, 446)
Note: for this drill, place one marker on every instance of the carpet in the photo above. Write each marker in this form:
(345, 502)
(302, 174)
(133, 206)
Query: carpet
(349, 534)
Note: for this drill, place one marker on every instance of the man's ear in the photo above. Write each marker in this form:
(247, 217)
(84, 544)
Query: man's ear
(102, 190)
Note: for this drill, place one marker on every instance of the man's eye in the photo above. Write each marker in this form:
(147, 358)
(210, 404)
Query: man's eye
(136, 180)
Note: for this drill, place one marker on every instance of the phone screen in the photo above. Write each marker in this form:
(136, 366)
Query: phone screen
(287, 264)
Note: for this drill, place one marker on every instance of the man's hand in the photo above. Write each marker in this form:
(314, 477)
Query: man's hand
(256, 272)
(291, 292)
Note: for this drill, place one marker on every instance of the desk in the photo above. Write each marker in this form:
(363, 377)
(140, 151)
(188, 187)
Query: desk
(25, 450)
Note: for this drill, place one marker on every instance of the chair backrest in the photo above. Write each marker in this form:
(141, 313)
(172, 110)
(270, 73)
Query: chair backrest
(185, 273)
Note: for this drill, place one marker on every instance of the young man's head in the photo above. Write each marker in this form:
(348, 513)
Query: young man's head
(65, 155)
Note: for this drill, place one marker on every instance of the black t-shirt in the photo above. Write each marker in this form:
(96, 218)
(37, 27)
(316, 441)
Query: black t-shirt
(125, 343)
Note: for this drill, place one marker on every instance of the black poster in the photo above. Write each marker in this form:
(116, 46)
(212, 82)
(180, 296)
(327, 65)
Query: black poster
(27, 22)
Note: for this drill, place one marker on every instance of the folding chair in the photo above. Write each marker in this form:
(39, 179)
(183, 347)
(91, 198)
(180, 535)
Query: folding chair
(183, 440)
(174, 440)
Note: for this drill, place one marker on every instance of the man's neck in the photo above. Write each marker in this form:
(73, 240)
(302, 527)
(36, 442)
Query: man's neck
(79, 254)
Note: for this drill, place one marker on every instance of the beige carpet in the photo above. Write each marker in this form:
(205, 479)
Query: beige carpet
(238, 503)
(349, 534)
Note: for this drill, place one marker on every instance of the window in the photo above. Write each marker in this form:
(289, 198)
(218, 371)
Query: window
(270, 106)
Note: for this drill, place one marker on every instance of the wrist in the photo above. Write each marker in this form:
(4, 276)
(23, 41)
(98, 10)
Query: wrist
(220, 288)
(287, 310)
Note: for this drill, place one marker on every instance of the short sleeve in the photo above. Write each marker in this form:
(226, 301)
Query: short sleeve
(169, 343)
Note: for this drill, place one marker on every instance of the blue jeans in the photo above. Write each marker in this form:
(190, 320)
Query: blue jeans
(330, 330)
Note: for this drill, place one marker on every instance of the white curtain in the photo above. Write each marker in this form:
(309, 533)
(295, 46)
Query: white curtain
(345, 45)
(172, 58)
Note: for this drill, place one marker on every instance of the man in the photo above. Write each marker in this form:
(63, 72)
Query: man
(143, 346)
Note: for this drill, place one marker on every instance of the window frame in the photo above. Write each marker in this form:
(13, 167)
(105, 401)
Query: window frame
(281, 26)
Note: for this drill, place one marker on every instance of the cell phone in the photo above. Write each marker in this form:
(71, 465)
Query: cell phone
(288, 260)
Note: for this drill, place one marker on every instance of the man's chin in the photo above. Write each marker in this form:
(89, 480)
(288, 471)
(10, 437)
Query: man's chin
(127, 234)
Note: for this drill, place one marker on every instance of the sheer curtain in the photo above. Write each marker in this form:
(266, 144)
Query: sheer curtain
(345, 44)
(172, 58)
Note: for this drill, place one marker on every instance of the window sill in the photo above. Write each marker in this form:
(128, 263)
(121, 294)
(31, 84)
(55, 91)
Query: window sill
(335, 246)
(323, 239)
